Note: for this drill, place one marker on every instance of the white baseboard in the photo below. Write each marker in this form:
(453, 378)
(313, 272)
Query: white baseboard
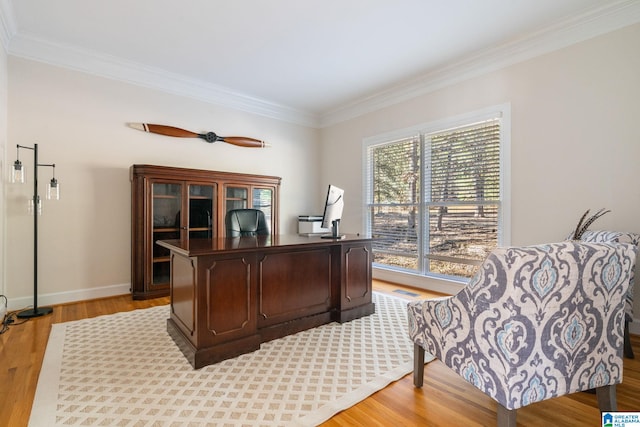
(70, 296)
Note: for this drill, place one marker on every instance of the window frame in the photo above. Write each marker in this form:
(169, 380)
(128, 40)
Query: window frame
(501, 111)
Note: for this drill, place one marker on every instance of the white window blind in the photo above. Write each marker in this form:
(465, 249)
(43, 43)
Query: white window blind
(434, 199)
(394, 211)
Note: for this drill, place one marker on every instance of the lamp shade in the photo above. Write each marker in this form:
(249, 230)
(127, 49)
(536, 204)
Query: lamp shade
(53, 190)
(18, 173)
(35, 207)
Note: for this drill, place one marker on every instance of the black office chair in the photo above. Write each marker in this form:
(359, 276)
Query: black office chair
(246, 222)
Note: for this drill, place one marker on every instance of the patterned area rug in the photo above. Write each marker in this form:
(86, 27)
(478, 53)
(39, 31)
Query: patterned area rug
(125, 370)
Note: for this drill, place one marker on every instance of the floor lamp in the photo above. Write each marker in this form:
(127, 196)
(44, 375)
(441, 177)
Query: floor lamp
(18, 175)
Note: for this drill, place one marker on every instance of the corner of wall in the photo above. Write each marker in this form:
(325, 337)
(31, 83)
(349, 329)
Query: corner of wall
(3, 144)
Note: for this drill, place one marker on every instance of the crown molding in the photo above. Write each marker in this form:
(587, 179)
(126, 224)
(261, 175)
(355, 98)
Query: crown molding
(597, 21)
(33, 48)
(7, 24)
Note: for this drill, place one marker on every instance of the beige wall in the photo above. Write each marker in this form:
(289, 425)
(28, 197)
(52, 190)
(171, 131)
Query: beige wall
(575, 138)
(79, 122)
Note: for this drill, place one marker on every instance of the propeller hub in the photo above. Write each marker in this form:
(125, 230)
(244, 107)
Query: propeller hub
(210, 137)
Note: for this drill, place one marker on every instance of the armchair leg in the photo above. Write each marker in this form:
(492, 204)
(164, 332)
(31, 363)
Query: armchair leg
(628, 350)
(506, 417)
(418, 365)
(607, 398)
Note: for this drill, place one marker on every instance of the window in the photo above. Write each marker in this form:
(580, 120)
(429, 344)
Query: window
(435, 195)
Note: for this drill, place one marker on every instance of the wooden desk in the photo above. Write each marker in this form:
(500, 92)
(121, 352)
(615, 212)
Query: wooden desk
(228, 295)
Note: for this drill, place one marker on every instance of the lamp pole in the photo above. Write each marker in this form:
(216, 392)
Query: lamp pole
(35, 311)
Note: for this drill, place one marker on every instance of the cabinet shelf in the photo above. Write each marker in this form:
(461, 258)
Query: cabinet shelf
(177, 203)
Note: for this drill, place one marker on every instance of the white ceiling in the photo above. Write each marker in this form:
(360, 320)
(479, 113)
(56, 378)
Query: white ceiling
(313, 62)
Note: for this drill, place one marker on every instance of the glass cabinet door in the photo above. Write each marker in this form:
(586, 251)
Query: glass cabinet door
(202, 208)
(236, 198)
(165, 211)
(171, 203)
(253, 197)
(262, 198)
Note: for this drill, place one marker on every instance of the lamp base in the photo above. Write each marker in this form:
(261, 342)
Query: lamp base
(34, 312)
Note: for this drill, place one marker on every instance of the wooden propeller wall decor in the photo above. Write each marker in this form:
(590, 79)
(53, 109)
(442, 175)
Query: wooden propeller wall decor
(210, 137)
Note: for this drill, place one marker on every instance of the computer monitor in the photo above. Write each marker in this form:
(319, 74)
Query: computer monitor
(333, 207)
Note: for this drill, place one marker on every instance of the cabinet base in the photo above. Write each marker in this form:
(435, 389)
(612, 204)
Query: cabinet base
(355, 313)
(291, 327)
(199, 358)
(139, 296)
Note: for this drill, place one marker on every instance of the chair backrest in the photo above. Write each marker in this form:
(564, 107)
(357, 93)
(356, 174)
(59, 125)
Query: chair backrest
(602, 236)
(246, 222)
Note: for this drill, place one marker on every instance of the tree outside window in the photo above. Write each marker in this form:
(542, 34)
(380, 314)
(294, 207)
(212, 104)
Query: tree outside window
(434, 199)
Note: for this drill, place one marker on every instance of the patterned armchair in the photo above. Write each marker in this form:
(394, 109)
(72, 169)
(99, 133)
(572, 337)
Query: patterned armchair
(534, 323)
(619, 237)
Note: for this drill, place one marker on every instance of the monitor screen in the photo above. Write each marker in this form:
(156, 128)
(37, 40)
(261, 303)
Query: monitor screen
(333, 206)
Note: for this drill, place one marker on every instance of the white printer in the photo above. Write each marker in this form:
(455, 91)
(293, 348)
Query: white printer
(311, 225)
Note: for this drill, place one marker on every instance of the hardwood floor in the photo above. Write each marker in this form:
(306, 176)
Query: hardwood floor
(23, 347)
(444, 400)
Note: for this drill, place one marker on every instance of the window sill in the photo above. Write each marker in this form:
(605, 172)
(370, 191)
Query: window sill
(435, 284)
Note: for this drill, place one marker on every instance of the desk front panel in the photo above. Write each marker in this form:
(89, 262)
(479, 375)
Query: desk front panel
(356, 273)
(227, 296)
(293, 284)
(183, 293)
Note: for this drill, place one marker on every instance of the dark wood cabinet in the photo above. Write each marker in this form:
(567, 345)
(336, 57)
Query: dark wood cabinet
(177, 203)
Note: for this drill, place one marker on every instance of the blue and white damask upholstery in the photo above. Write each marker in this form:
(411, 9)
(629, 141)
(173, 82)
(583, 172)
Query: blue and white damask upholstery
(534, 323)
(619, 237)
(616, 237)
